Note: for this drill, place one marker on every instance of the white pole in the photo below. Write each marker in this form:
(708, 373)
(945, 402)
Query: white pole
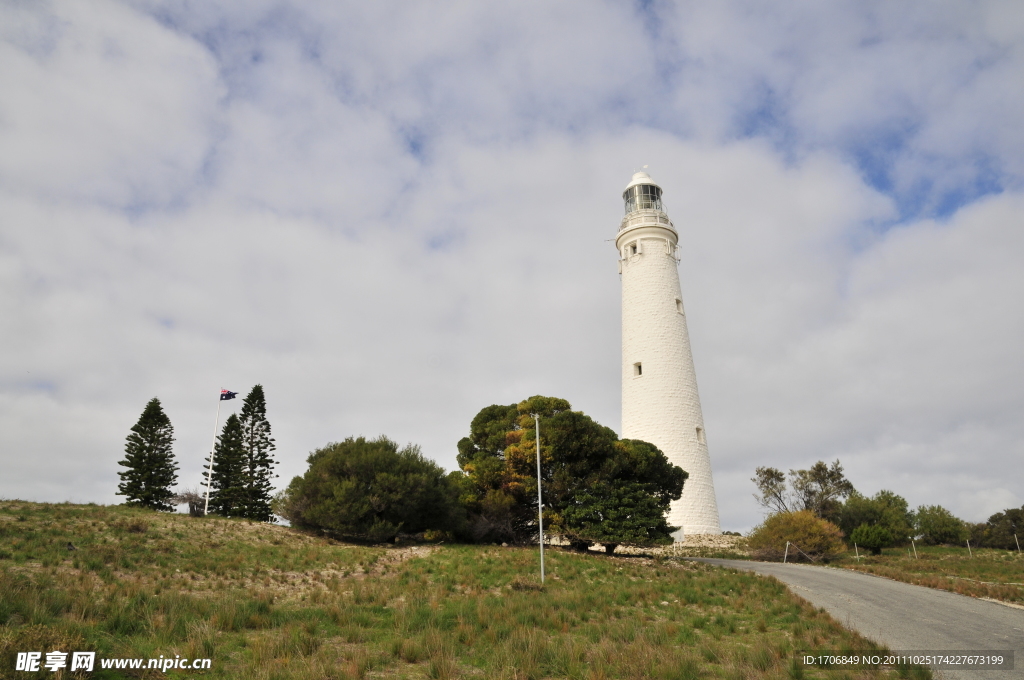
(786, 556)
(1018, 543)
(915, 548)
(856, 552)
(969, 548)
(209, 471)
(540, 501)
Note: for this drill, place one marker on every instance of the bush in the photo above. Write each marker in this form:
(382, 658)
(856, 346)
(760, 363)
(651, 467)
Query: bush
(372, 490)
(874, 538)
(816, 537)
(936, 525)
(885, 509)
(1004, 529)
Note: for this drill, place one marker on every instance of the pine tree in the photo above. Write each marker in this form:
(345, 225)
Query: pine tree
(257, 463)
(150, 461)
(227, 479)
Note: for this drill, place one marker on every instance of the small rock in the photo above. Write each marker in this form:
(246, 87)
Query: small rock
(664, 603)
(504, 545)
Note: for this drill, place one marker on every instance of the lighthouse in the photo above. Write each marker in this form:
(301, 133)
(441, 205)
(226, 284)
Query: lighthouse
(660, 403)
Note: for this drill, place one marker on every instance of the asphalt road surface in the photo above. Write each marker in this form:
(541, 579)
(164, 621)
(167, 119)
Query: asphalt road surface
(904, 617)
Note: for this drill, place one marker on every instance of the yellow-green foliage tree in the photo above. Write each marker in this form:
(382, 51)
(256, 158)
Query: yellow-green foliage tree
(816, 537)
(596, 486)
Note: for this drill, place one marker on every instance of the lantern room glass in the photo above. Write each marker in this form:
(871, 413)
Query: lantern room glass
(642, 197)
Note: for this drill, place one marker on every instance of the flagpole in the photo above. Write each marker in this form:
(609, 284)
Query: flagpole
(540, 502)
(213, 446)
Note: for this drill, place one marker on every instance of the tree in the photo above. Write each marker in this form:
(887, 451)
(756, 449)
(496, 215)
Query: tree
(585, 470)
(815, 537)
(196, 501)
(771, 482)
(625, 500)
(372, 490)
(257, 462)
(496, 492)
(616, 512)
(936, 525)
(885, 509)
(150, 461)
(228, 493)
(819, 489)
(1004, 529)
(873, 537)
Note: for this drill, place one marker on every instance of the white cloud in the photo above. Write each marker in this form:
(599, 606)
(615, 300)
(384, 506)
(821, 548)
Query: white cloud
(101, 103)
(392, 218)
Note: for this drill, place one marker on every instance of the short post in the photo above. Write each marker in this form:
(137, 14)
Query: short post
(915, 548)
(540, 501)
(969, 548)
(856, 552)
(786, 556)
(1018, 543)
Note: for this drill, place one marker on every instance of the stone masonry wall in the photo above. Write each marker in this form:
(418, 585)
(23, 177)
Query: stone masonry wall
(661, 404)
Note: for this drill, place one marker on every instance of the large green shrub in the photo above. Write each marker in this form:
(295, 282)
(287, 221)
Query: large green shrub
(815, 537)
(885, 509)
(936, 525)
(874, 537)
(1004, 529)
(372, 490)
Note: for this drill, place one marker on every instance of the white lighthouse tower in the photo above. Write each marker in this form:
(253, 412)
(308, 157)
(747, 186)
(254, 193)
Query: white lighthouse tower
(660, 404)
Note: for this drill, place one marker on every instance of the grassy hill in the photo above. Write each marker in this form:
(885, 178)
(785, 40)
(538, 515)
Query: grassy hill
(271, 603)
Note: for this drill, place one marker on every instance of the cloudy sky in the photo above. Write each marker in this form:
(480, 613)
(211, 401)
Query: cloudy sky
(392, 215)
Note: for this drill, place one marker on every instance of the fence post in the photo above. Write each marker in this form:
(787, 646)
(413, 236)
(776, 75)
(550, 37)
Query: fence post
(856, 552)
(915, 548)
(786, 556)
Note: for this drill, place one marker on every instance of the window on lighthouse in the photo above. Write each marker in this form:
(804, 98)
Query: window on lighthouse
(700, 435)
(638, 369)
(642, 197)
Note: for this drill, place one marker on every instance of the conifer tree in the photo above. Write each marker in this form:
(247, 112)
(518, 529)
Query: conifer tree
(257, 461)
(227, 479)
(150, 461)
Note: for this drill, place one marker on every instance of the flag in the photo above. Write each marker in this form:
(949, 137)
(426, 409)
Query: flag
(225, 395)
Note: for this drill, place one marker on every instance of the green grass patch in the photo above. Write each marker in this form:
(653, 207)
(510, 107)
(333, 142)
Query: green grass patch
(984, 572)
(271, 603)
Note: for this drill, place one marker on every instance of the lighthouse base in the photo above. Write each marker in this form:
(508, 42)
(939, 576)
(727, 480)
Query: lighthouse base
(698, 534)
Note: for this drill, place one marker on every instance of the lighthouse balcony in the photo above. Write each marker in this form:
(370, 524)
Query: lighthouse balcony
(641, 217)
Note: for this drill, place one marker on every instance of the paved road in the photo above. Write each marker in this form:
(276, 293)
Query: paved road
(903, 616)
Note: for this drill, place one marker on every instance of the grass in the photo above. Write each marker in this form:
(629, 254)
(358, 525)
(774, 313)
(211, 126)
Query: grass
(271, 603)
(984, 572)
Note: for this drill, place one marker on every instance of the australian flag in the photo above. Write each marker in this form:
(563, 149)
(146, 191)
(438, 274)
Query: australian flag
(225, 395)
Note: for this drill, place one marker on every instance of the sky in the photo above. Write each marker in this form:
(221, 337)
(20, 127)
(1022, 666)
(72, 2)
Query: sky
(392, 215)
